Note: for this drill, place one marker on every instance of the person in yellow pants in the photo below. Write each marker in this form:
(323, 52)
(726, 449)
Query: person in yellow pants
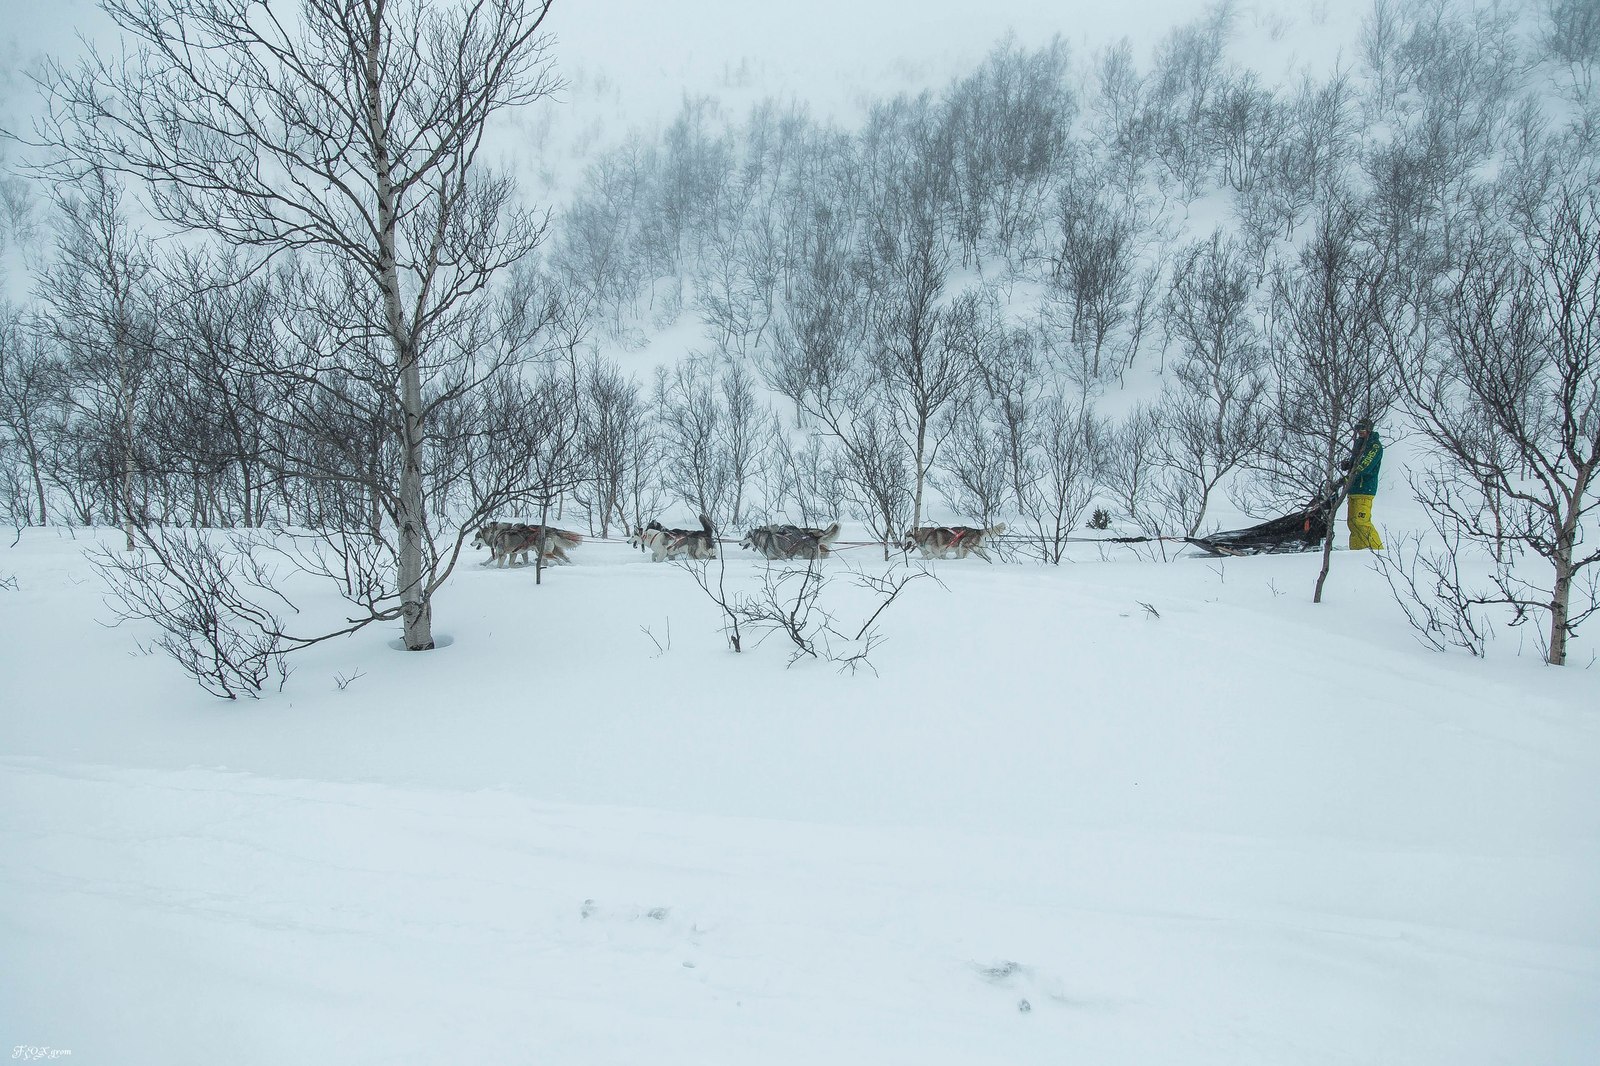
(1366, 457)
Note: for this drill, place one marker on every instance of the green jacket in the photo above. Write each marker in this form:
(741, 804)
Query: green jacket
(1364, 463)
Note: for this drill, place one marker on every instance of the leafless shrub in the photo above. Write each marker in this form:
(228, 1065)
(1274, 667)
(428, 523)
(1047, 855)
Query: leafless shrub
(599, 253)
(215, 605)
(1507, 395)
(1008, 126)
(802, 479)
(689, 418)
(1067, 459)
(1244, 127)
(712, 436)
(717, 592)
(1215, 421)
(663, 643)
(792, 601)
(613, 433)
(875, 473)
(1189, 75)
(988, 464)
(33, 403)
(1093, 279)
(976, 474)
(1428, 585)
(788, 603)
(104, 303)
(1148, 496)
(344, 681)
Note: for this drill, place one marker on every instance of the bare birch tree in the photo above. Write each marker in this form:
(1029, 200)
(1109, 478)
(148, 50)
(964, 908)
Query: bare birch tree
(1215, 421)
(348, 133)
(32, 394)
(100, 295)
(1332, 356)
(1508, 397)
(613, 425)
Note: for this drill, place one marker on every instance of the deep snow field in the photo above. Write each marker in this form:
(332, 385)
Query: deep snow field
(1053, 828)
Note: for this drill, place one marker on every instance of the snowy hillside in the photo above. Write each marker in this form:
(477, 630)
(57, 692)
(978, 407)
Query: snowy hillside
(1053, 828)
(1140, 807)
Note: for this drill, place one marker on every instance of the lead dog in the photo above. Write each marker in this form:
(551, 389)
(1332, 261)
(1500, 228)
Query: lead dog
(507, 541)
(791, 542)
(936, 542)
(503, 544)
(664, 543)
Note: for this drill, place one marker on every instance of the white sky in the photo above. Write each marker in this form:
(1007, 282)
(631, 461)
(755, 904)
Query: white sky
(826, 51)
(823, 51)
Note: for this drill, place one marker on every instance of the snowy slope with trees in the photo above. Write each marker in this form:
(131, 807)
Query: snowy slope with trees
(289, 324)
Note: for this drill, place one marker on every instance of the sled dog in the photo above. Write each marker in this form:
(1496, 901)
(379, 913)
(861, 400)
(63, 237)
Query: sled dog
(791, 542)
(663, 543)
(937, 542)
(554, 543)
(507, 541)
(502, 544)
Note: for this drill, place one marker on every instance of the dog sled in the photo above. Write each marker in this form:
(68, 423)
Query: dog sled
(1303, 531)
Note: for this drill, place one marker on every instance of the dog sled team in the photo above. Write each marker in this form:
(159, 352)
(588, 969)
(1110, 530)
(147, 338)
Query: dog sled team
(507, 541)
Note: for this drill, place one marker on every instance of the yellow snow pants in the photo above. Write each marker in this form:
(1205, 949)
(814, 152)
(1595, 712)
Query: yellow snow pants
(1363, 534)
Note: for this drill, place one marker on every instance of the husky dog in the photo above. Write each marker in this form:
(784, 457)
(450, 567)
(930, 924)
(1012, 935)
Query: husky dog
(791, 542)
(554, 543)
(666, 543)
(507, 541)
(936, 542)
(496, 536)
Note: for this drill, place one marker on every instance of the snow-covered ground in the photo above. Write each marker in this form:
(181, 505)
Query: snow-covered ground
(1054, 828)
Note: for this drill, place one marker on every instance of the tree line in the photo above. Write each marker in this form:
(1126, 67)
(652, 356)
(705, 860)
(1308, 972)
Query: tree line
(361, 337)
